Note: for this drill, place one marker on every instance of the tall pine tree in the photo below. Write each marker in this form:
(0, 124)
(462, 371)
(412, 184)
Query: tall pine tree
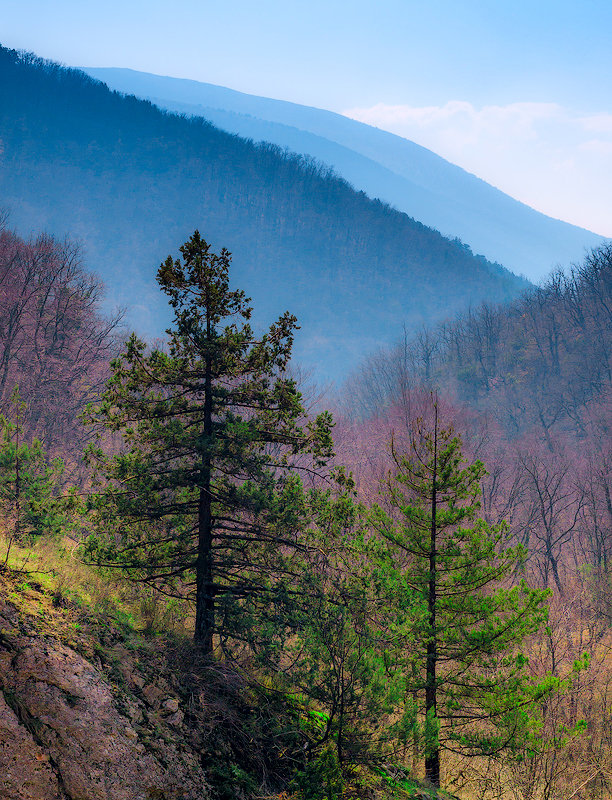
(203, 493)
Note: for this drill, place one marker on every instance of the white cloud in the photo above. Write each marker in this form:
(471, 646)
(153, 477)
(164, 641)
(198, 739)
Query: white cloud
(601, 123)
(553, 158)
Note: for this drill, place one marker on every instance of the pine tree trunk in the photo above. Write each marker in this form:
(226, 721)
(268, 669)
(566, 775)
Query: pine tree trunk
(205, 598)
(205, 595)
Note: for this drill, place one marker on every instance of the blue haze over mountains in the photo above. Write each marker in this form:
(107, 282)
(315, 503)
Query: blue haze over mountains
(132, 182)
(409, 177)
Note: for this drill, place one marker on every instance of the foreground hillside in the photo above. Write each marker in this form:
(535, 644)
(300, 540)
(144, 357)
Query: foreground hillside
(93, 709)
(131, 182)
(400, 172)
(84, 713)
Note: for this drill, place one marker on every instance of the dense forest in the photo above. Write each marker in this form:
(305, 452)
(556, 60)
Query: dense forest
(411, 594)
(128, 180)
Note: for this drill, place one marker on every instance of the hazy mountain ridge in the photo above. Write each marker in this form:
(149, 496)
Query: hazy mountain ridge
(132, 182)
(410, 177)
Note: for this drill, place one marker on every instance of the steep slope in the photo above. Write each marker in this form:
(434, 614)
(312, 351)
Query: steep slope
(79, 716)
(398, 171)
(132, 182)
(93, 709)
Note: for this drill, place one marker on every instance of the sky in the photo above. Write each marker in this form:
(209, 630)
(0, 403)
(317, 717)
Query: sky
(517, 92)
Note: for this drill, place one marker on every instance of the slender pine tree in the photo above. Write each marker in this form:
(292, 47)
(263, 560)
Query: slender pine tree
(465, 677)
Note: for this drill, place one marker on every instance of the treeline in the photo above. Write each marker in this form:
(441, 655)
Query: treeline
(128, 179)
(540, 363)
(390, 602)
(212, 487)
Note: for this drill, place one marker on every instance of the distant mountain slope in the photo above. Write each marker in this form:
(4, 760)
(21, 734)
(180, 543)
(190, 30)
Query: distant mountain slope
(133, 182)
(398, 171)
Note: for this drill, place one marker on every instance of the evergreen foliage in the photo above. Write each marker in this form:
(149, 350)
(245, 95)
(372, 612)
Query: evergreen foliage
(29, 496)
(204, 490)
(336, 653)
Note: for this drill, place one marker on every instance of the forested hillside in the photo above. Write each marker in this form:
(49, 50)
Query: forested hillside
(396, 170)
(540, 363)
(130, 181)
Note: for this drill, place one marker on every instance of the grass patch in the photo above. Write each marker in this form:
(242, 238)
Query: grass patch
(53, 569)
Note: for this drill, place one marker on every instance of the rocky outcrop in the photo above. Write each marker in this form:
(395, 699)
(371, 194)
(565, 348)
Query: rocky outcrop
(25, 771)
(67, 732)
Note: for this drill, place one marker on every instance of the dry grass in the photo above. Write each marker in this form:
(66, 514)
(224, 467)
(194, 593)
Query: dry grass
(55, 568)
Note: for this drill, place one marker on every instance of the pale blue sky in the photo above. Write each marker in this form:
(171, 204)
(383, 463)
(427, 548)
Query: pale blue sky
(534, 78)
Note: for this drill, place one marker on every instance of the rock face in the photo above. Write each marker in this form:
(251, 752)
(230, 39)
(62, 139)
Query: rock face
(68, 733)
(24, 767)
